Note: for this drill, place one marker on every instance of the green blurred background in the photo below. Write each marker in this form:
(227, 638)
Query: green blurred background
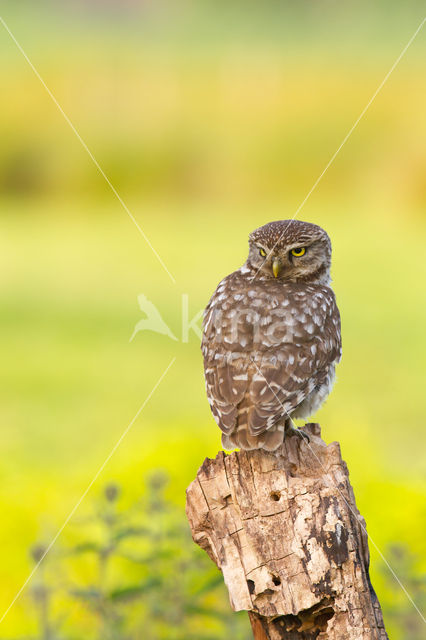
(210, 119)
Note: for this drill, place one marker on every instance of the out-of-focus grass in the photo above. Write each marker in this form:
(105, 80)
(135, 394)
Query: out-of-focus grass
(207, 129)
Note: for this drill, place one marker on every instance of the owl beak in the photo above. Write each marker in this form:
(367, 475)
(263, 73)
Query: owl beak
(276, 267)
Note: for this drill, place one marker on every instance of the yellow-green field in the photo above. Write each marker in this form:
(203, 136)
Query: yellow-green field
(209, 122)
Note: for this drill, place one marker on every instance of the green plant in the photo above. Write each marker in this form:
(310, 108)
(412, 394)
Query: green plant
(135, 573)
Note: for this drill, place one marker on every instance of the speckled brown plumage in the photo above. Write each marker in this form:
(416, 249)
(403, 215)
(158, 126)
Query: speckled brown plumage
(271, 336)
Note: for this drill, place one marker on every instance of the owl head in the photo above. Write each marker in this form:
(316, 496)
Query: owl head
(291, 250)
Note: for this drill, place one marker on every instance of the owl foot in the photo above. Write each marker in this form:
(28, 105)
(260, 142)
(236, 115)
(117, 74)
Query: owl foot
(292, 430)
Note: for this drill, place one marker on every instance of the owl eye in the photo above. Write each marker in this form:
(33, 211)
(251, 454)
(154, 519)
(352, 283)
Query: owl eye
(300, 251)
(262, 252)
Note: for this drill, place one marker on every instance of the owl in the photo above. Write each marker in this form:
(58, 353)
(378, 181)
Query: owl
(271, 337)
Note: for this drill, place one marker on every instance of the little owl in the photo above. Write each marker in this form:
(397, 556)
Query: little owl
(271, 337)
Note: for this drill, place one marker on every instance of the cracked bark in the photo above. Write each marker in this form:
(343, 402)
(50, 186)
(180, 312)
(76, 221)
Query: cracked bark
(287, 535)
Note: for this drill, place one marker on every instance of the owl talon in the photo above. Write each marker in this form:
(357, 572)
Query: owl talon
(291, 430)
(304, 435)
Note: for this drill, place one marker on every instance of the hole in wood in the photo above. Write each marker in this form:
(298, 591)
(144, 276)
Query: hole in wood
(251, 585)
(276, 580)
(288, 622)
(314, 619)
(275, 495)
(322, 620)
(292, 471)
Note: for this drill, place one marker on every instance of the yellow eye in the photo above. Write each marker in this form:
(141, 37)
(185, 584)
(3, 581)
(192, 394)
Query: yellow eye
(262, 252)
(300, 251)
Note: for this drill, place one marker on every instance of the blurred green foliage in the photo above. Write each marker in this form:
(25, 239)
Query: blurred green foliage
(210, 119)
(131, 573)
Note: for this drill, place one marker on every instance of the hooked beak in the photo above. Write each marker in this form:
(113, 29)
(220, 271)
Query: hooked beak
(276, 266)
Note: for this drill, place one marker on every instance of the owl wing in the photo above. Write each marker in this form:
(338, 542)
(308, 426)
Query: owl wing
(252, 384)
(225, 371)
(277, 389)
(287, 375)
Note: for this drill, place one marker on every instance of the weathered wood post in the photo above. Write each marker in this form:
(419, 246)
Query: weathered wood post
(286, 534)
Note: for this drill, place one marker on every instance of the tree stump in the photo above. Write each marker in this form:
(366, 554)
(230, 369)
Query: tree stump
(287, 535)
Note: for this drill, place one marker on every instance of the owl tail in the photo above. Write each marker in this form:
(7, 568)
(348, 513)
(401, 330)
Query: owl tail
(269, 440)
